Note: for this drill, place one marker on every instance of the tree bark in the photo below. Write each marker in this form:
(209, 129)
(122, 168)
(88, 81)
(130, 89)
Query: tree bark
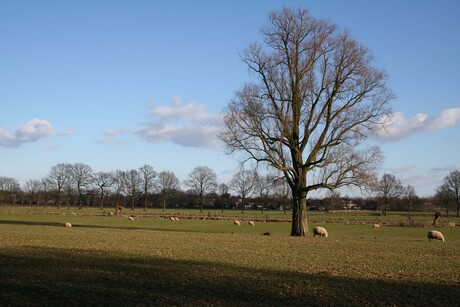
(299, 225)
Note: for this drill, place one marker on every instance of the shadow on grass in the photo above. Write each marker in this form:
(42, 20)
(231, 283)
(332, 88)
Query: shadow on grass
(48, 276)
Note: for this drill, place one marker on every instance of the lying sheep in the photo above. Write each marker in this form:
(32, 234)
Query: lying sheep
(434, 234)
(236, 222)
(320, 231)
(376, 226)
(251, 223)
(130, 218)
(67, 224)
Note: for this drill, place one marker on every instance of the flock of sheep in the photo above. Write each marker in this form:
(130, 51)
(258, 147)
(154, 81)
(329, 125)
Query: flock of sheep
(317, 230)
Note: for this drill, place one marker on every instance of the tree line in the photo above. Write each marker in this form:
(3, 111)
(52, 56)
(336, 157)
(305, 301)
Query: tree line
(77, 185)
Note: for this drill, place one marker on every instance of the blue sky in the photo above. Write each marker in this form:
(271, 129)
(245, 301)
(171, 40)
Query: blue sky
(119, 84)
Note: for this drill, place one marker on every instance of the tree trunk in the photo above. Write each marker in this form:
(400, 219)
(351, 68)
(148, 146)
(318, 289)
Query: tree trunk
(299, 215)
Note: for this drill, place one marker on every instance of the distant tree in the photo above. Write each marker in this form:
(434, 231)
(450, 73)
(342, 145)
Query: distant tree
(167, 184)
(409, 197)
(103, 180)
(388, 189)
(132, 183)
(148, 175)
(263, 187)
(58, 177)
(31, 187)
(223, 198)
(452, 183)
(9, 188)
(202, 181)
(283, 191)
(314, 101)
(45, 186)
(118, 185)
(82, 176)
(333, 201)
(444, 196)
(243, 184)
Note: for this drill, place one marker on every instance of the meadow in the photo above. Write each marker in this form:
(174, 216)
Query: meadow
(152, 261)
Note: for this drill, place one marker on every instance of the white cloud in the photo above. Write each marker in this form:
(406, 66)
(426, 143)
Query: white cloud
(189, 125)
(191, 112)
(29, 132)
(396, 126)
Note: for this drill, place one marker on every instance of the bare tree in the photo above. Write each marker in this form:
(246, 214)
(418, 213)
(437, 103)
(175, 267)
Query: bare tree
(132, 182)
(45, 186)
(333, 201)
(9, 188)
(315, 100)
(118, 185)
(388, 188)
(148, 175)
(202, 180)
(58, 177)
(263, 187)
(444, 196)
(104, 181)
(243, 184)
(452, 182)
(167, 184)
(82, 176)
(224, 196)
(31, 187)
(409, 197)
(283, 191)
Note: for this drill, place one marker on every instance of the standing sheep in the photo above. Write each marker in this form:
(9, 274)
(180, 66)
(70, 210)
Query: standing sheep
(67, 224)
(434, 234)
(320, 231)
(130, 218)
(376, 226)
(236, 222)
(251, 223)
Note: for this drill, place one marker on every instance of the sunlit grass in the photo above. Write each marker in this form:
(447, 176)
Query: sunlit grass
(104, 260)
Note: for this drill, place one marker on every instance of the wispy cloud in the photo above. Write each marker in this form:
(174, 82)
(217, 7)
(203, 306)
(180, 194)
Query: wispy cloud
(189, 125)
(29, 132)
(397, 127)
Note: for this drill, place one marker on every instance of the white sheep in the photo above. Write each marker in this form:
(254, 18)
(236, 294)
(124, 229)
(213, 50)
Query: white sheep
(376, 226)
(434, 234)
(320, 231)
(67, 224)
(251, 223)
(177, 219)
(173, 218)
(236, 222)
(130, 218)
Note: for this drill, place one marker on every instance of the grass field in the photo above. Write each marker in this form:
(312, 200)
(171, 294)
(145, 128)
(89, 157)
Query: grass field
(111, 261)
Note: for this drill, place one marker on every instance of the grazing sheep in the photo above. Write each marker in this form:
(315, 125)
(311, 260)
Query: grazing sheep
(434, 234)
(251, 223)
(376, 226)
(67, 224)
(177, 219)
(236, 222)
(172, 218)
(130, 218)
(320, 231)
(111, 213)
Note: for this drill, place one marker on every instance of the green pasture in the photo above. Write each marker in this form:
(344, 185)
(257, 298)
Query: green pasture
(112, 261)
